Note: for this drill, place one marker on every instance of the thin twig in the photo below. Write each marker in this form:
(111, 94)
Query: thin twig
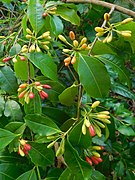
(96, 38)
(104, 4)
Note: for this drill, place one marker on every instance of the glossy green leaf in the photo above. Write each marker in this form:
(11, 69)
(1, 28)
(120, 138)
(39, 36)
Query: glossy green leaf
(29, 175)
(56, 25)
(67, 175)
(9, 171)
(34, 105)
(54, 174)
(12, 110)
(2, 103)
(77, 138)
(120, 169)
(96, 175)
(45, 64)
(41, 125)
(24, 24)
(106, 132)
(40, 155)
(67, 97)
(93, 76)
(15, 49)
(79, 168)
(8, 81)
(23, 65)
(5, 138)
(126, 130)
(116, 63)
(68, 14)
(16, 127)
(122, 90)
(35, 11)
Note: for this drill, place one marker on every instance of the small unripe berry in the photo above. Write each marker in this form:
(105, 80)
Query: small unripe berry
(31, 95)
(22, 58)
(6, 59)
(44, 14)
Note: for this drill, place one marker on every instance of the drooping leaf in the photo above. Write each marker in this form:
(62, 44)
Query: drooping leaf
(42, 125)
(116, 64)
(30, 175)
(35, 11)
(13, 110)
(45, 64)
(79, 168)
(93, 76)
(8, 81)
(126, 130)
(5, 138)
(23, 65)
(68, 14)
(67, 97)
(122, 90)
(40, 155)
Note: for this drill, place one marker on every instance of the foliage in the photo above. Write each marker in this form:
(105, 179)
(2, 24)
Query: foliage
(66, 104)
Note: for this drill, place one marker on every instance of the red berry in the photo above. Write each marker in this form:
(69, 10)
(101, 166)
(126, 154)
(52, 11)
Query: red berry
(92, 130)
(25, 151)
(22, 58)
(37, 83)
(102, 147)
(44, 14)
(88, 160)
(94, 160)
(6, 59)
(46, 86)
(23, 85)
(42, 97)
(98, 159)
(21, 95)
(27, 147)
(44, 94)
(31, 95)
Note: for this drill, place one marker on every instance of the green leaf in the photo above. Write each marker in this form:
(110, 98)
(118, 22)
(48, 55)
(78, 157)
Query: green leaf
(40, 155)
(16, 127)
(45, 64)
(23, 74)
(106, 132)
(96, 175)
(67, 97)
(34, 105)
(8, 81)
(116, 63)
(126, 130)
(130, 27)
(9, 171)
(2, 104)
(35, 11)
(119, 169)
(68, 14)
(29, 175)
(42, 125)
(67, 175)
(54, 174)
(122, 90)
(93, 76)
(79, 168)
(5, 138)
(77, 138)
(15, 49)
(56, 25)
(24, 24)
(13, 110)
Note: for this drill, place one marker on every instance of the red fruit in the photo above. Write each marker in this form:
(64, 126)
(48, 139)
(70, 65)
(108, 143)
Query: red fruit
(88, 160)
(27, 147)
(22, 58)
(94, 160)
(25, 151)
(22, 85)
(21, 94)
(98, 159)
(102, 147)
(31, 95)
(6, 59)
(92, 130)
(44, 94)
(44, 15)
(46, 86)
(37, 83)
(42, 97)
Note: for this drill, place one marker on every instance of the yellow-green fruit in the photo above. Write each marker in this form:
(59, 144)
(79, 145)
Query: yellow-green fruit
(96, 147)
(28, 36)
(75, 43)
(84, 129)
(66, 50)
(109, 39)
(99, 29)
(95, 104)
(46, 34)
(84, 40)
(14, 60)
(24, 50)
(32, 48)
(38, 49)
(95, 153)
(105, 121)
(87, 123)
(100, 34)
(99, 124)
(126, 34)
(46, 42)
(127, 20)
(106, 16)
(73, 61)
(104, 112)
(62, 38)
(28, 31)
(46, 47)
(103, 116)
(84, 46)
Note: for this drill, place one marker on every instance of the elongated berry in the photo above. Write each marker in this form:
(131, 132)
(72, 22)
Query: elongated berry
(98, 159)
(6, 59)
(88, 160)
(106, 16)
(46, 86)
(95, 104)
(28, 31)
(84, 40)
(27, 146)
(84, 46)
(75, 43)
(23, 85)
(21, 95)
(99, 29)
(92, 130)
(95, 153)
(62, 38)
(127, 20)
(72, 35)
(94, 160)
(73, 61)
(67, 60)
(37, 83)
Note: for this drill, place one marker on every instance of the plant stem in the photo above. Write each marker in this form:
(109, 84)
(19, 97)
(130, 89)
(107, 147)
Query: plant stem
(104, 4)
(39, 177)
(79, 101)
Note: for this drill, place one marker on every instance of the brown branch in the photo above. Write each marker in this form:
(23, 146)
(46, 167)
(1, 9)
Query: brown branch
(105, 4)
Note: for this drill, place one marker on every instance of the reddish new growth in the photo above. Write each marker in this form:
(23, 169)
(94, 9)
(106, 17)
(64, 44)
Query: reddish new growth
(24, 147)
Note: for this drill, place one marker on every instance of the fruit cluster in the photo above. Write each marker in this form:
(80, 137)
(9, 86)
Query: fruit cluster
(108, 30)
(26, 91)
(92, 156)
(95, 120)
(49, 10)
(74, 47)
(24, 147)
